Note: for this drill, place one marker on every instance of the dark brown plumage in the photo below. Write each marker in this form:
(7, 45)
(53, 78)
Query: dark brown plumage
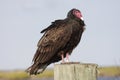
(59, 39)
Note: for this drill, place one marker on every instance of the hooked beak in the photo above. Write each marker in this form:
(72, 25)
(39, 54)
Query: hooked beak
(82, 18)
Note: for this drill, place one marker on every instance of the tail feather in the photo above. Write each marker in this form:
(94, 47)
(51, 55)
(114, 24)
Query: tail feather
(36, 69)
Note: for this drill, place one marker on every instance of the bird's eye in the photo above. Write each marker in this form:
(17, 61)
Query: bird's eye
(77, 13)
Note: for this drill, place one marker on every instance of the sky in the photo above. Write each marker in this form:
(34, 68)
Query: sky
(22, 20)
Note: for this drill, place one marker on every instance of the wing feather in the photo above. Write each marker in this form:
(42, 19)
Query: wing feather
(54, 24)
(53, 40)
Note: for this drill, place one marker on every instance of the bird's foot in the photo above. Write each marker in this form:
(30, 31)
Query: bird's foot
(62, 56)
(67, 57)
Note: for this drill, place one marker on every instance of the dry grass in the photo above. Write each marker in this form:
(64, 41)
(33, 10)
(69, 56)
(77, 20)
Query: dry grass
(109, 71)
(17, 75)
(13, 75)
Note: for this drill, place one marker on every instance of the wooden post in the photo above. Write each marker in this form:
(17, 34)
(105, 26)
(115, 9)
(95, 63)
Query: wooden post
(75, 71)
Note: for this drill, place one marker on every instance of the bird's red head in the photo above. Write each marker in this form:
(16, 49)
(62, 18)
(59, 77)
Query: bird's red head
(77, 13)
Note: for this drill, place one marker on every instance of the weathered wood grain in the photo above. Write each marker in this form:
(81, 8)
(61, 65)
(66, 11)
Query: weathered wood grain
(75, 71)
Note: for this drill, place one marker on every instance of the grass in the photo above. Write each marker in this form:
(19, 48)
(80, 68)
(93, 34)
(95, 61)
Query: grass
(17, 75)
(20, 74)
(13, 75)
(109, 71)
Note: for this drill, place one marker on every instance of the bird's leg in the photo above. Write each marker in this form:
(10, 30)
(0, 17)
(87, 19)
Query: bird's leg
(62, 56)
(67, 57)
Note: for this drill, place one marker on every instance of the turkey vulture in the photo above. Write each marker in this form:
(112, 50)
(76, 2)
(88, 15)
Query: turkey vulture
(58, 41)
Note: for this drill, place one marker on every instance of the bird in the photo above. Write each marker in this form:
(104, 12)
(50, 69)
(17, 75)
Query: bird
(58, 41)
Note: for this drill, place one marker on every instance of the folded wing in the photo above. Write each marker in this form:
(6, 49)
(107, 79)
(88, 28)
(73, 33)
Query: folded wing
(52, 41)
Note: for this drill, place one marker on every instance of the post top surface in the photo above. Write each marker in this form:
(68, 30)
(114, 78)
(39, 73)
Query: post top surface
(77, 63)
